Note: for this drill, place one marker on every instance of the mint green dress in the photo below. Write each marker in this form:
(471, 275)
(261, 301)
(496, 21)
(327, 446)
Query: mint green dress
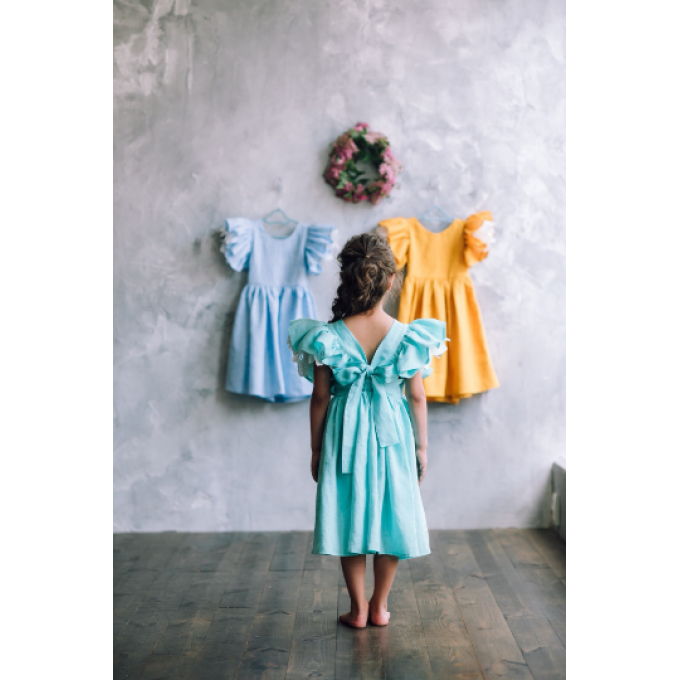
(368, 498)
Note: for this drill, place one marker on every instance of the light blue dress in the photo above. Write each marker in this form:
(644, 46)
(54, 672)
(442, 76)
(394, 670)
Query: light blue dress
(277, 292)
(368, 498)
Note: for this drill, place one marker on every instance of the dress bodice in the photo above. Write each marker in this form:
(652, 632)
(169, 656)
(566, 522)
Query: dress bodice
(444, 255)
(405, 350)
(274, 261)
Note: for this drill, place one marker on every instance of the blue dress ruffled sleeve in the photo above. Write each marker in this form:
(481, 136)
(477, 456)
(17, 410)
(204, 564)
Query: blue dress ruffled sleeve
(318, 247)
(237, 242)
(313, 343)
(424, 339)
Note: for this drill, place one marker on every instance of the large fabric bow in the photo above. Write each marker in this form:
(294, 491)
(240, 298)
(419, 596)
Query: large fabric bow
(352, 379)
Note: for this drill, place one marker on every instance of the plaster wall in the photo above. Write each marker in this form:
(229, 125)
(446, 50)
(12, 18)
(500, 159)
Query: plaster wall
(227, 109)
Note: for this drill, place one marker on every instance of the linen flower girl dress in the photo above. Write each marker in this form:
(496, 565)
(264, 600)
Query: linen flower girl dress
(277, 292)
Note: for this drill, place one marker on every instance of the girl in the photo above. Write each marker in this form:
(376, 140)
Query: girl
(369, 440)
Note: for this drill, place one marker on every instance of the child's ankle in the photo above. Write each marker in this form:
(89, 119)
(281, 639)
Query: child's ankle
(359, 607)
(377, 607)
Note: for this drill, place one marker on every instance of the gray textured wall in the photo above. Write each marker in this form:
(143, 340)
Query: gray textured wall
(227, 108)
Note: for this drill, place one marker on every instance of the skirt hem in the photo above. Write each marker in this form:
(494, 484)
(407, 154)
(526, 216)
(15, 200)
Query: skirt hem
(274, 399)
(370, 552)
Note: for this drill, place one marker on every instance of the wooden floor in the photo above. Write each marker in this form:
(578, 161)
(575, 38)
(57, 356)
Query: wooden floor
(484, 604)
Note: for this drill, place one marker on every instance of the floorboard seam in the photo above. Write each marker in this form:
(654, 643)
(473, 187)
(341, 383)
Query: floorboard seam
(474, 599)
(462, 618)
(420, 616)
(257, 606)
(151, 585)
(538, 549)
(538, 599)
(498, 604)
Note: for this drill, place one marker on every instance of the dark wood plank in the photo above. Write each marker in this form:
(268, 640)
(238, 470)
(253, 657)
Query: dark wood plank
(141, 568)
(291, 551)
(319, 587)
(543, 650)
(551, 547)
(208, 606)
(403, 645)
(312, 653)
(330, 562)
(550, 592)
(178, 648)
(127, 547)
(319, 592)
(495, 647)
(214, 639)
(219, 657)
(136, 643)
(281, 592)
(167, 592)
(163, 614)
(268, 649)
(124, 606)
(245, 587)
(358, 653)
(448, 643)
(270, 640)
(134, 578)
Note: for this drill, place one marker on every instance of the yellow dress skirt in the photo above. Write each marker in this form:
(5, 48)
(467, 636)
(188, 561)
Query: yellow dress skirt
(438, 286)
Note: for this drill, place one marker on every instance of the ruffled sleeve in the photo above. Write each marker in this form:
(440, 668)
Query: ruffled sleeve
(237, 242)
(312, 343)
(399, 238)
(476, 248)
(320, 245)
(424, 339)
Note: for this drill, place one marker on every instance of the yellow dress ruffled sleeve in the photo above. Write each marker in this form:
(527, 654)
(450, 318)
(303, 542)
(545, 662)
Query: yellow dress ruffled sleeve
(399, 238)
(475, 250)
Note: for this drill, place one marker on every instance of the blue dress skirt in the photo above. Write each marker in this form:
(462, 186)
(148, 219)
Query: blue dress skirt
(276, 293)
(368, 498)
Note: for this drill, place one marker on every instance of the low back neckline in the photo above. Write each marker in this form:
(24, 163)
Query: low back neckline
(377, 349)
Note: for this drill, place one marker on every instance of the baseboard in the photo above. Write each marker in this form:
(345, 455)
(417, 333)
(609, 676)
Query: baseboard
(559, 499)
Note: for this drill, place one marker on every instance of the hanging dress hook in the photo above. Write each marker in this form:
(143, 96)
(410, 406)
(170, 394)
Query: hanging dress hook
(436, 214)
(284, 219)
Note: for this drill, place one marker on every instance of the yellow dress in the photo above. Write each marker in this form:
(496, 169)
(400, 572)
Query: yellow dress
(438, 286)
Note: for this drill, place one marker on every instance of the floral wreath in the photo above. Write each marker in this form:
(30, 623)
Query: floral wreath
(358, 145)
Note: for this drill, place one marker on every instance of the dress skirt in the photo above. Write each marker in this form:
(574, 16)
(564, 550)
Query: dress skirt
(377, 507)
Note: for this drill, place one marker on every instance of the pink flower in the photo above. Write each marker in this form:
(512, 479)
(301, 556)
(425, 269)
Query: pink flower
(361, 126)
(387, 173)
(346, 150)
(372, 137)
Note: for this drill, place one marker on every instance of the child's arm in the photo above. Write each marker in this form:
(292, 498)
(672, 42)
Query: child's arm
(318, 405)
(417, 404)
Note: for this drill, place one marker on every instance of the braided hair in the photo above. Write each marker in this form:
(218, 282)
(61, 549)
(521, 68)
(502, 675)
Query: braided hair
(366, 265)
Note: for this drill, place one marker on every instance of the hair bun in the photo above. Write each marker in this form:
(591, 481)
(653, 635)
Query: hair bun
(366, 265)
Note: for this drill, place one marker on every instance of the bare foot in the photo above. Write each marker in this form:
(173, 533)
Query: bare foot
(379, 616)
(355, 618)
